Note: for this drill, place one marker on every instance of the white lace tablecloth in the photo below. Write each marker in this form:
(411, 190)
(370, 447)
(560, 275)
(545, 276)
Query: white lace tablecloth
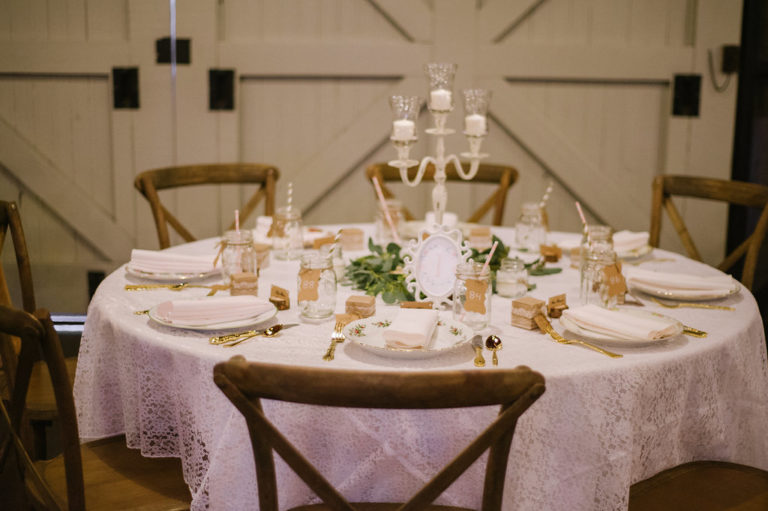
(602, 424)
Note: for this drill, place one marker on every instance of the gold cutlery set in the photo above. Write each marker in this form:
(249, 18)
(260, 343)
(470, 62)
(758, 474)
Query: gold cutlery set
(492, 343)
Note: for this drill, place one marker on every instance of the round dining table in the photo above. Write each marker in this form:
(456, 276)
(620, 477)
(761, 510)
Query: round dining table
(602, 424)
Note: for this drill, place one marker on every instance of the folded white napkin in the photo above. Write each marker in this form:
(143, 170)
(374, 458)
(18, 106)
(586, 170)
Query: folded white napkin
(168, 262)
(625, 241)
(208, 311)
(412, 328)
(620, 323)
(679, 281)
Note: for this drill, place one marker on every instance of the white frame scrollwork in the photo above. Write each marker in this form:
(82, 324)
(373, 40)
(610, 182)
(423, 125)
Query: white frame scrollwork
(411, 257)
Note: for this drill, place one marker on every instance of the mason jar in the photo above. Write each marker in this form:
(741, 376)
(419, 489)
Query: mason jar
(316, 284)
(287, 233)
(472, 295)
(512, 278)
(237, 255)
(394, 208)
(597, 257)
(530, 231)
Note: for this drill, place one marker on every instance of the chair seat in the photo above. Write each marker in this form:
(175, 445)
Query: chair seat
(117, 477)
(41, 403)
(376, 506)
(703, 486)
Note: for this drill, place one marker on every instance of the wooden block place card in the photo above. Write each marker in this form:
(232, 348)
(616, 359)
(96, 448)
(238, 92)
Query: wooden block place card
(352, 238)
(279, 297)
(524, 310)
(550, 253)
(480, 238)
(363, 306)
(245, 283)
(556, 305)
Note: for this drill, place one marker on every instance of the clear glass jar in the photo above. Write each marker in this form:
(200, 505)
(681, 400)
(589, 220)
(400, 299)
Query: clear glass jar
(598, 256)
(472, 295)
(383, 231)
(339, 264)
(237, 254)
(512, 278)
(529, 229)
(316, 286)
(287, 234)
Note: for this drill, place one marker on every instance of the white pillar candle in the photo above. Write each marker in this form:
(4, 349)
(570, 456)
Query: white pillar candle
(403, 129)
(440, 100)
(475, 124)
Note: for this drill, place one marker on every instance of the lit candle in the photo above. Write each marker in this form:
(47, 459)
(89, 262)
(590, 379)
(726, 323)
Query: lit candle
(403, 129)
(440, 100)
(475, 124)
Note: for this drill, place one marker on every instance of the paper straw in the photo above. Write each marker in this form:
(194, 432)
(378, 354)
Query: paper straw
(383, 201)
(237, 220)
(488, 259)
(581, 214)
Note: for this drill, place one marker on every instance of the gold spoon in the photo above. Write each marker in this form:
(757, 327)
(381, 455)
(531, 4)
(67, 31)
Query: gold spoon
(269, 332)
(477, 345)
(493, 343)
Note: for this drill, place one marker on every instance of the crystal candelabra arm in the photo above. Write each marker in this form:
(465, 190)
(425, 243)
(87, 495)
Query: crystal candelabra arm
(474, 166)
(419, 175)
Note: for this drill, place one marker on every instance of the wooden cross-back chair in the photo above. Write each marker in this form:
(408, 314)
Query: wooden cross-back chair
(41, 404)
(149, 182)
(104, 474)
(503, 176)
(246, 383)
(734, 192)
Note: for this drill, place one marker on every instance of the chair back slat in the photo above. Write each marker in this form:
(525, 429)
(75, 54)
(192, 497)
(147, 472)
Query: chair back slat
(504, 176)
(37, 334)
(246, 383)
(738, 193)
(149, 183)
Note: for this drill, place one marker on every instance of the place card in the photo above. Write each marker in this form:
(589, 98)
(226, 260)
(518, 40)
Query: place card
(556, 305)
(524, 310)
(614, 281)
(550, 253)
(245, 283)
(279, 297)
(309, 281)
(475, 295)
(415, 305)
(480, 238)
(363, 306)
(351, 238)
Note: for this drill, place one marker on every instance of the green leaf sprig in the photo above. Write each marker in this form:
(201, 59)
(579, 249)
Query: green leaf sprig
(374, 273)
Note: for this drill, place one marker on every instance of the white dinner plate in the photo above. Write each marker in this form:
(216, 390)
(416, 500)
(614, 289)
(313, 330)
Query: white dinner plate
(171, 277)
(683, 294)
(449, 335)
(228, 325)
(623, 341)
(635, 252)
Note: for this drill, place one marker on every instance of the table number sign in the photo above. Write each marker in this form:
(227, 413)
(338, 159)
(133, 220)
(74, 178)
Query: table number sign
(615, 285)
(476, 293)
(309, 279)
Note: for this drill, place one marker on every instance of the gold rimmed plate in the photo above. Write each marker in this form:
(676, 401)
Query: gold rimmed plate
(617, 340)
(449, 335)
(171, 276)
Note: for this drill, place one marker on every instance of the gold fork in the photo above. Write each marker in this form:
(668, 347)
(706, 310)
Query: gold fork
(336, 337)
(544, 324)
(172, 287)
(693, 305)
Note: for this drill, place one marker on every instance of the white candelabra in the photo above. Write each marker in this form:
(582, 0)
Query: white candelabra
(406, 109)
